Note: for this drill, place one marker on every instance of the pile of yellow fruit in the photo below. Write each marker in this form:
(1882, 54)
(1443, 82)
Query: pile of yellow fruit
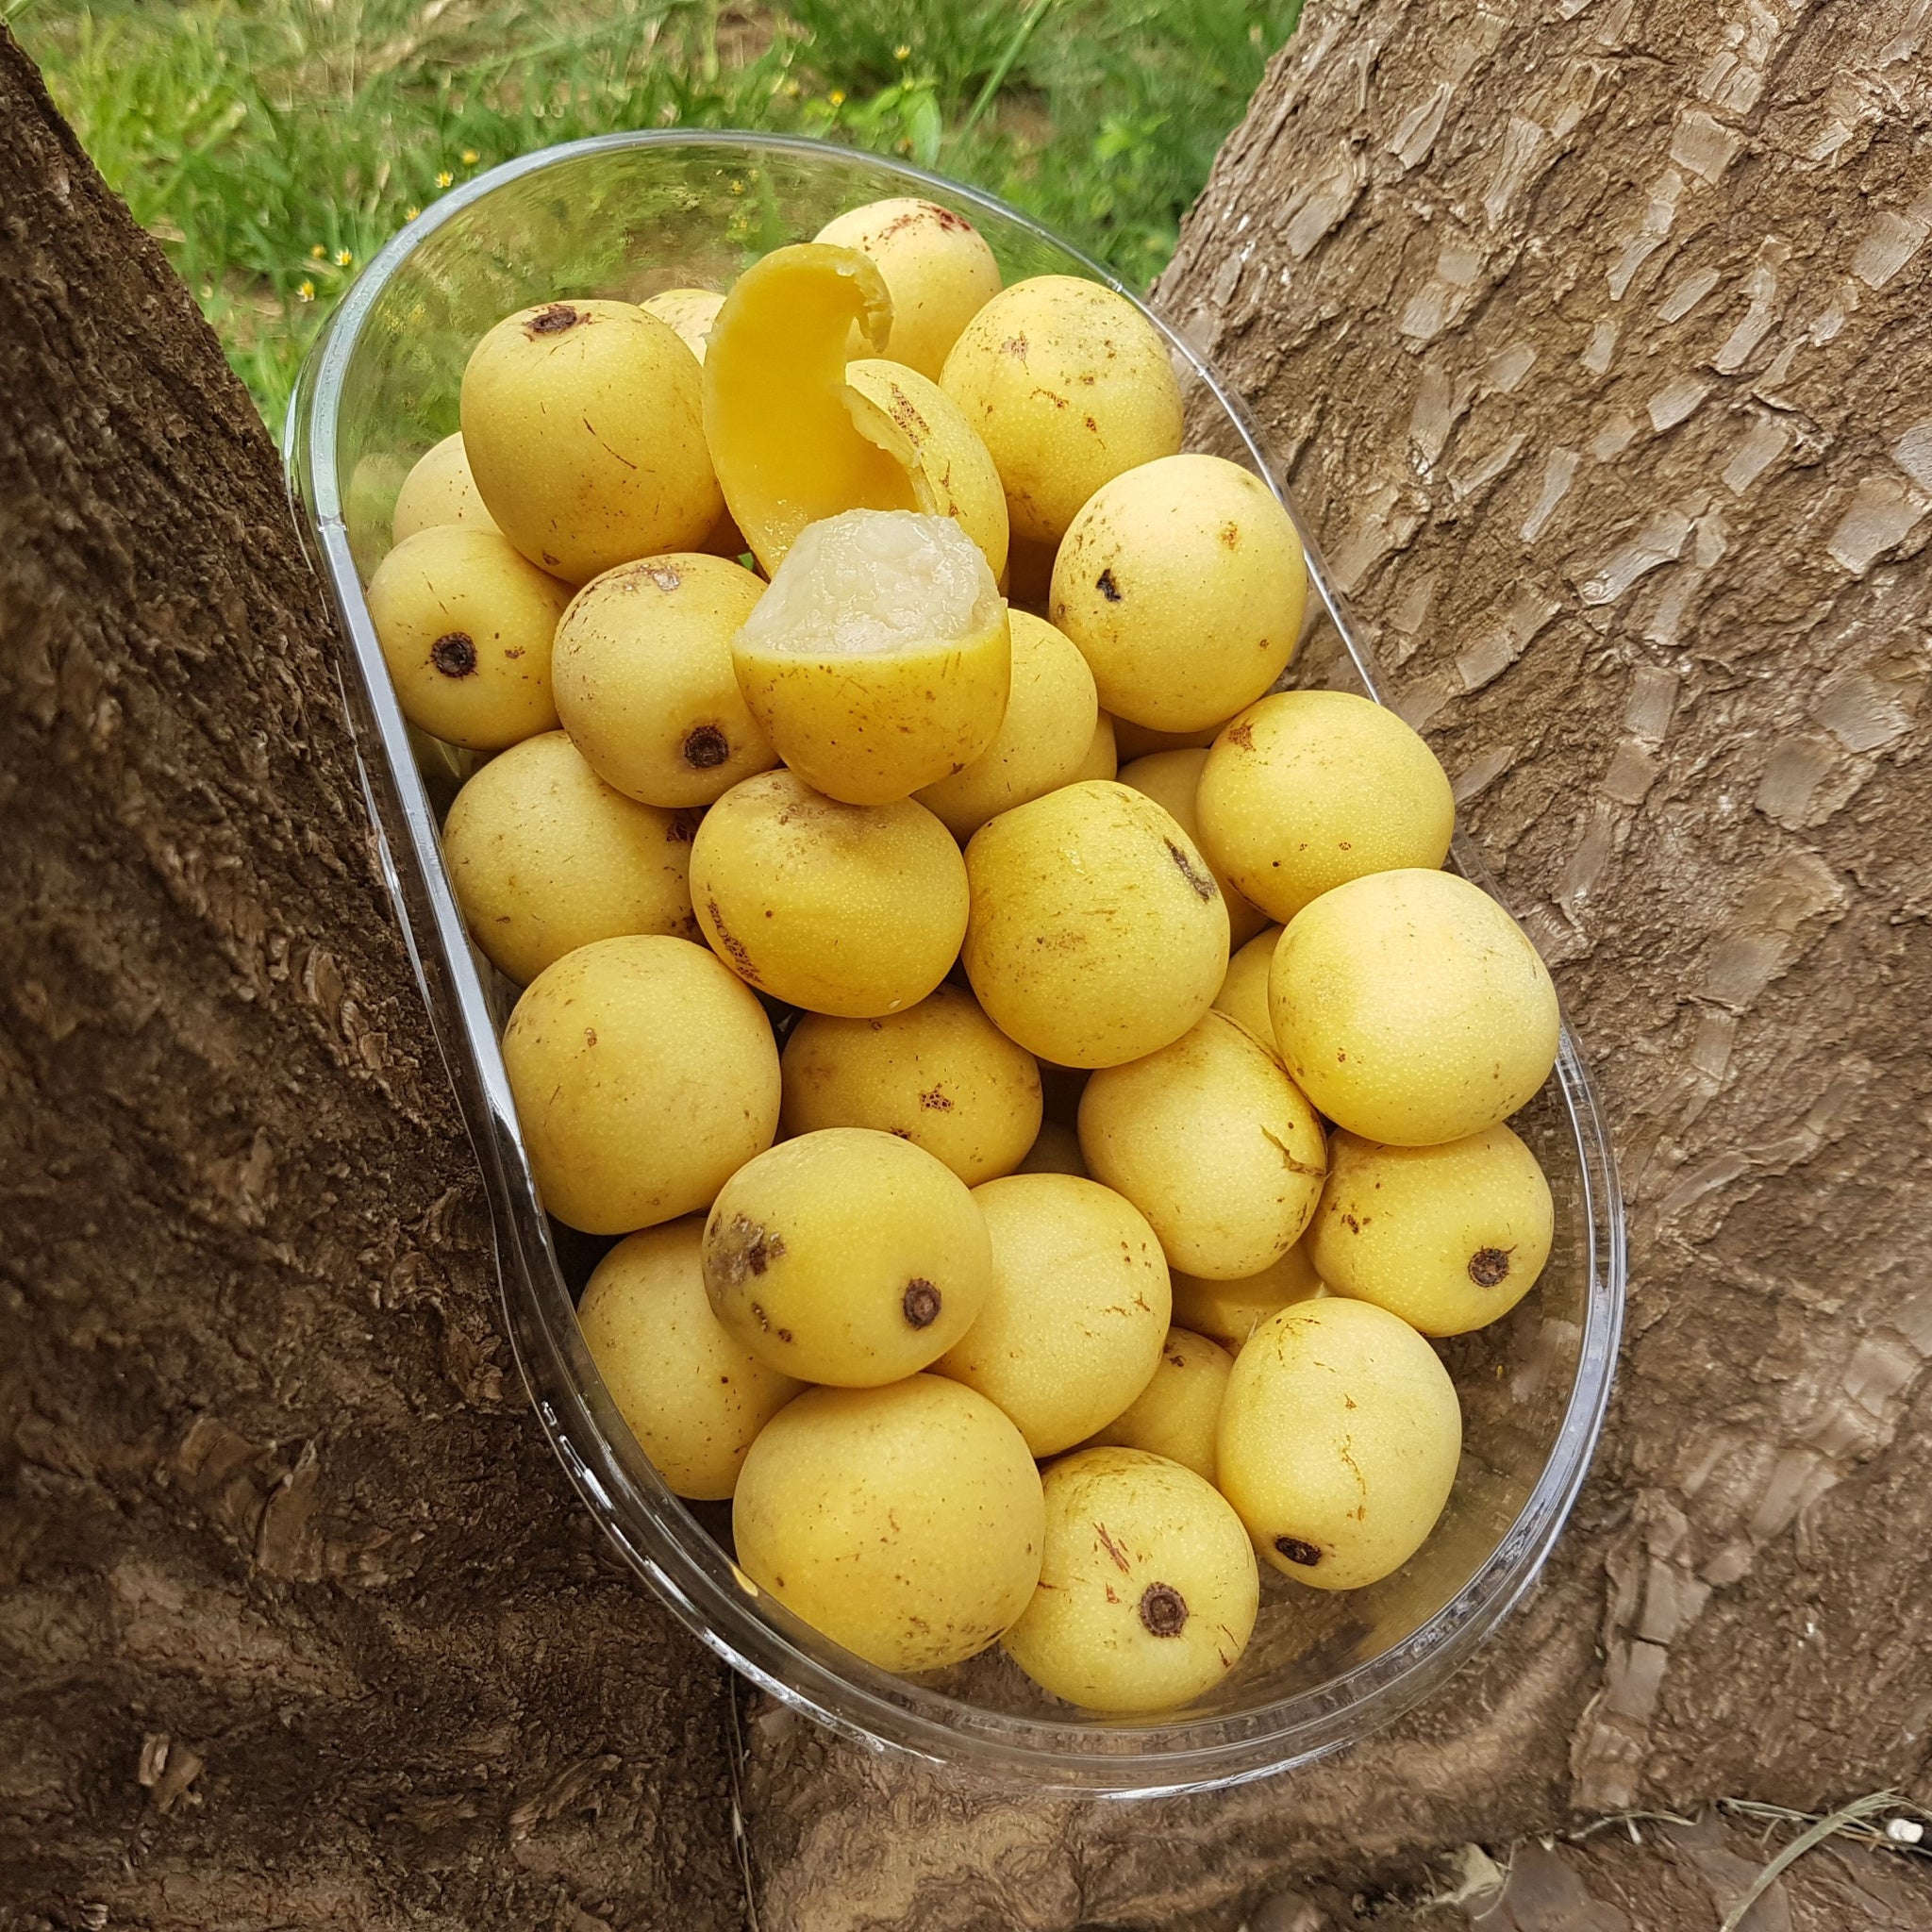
(721, 584)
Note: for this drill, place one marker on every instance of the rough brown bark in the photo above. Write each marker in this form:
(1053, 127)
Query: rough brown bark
(299, 1625)
(1595, 336)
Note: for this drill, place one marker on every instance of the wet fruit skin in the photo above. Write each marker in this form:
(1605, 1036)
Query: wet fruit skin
(852, 910)
(848, 1257)
(905, 1522)
(693, 1395)
(643, 1076)
(1148, 1593)
(439, 489)
(1449, 1238)
(545, 857)
(1243, 995)
(1230, 1311)
(1411, 1009)
(1170, 779)
(1178, 1414)
(1338, 1441)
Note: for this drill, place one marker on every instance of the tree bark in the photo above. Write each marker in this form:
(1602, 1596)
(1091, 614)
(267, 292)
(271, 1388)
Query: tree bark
(299, 1622)
(1595, 339)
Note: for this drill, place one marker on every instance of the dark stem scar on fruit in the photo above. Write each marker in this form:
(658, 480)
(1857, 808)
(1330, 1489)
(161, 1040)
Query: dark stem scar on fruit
(1292, 1547)
(921, 1303)
(1105, 584)
(553, 320)
(741, 1250)
(1204, 886)
(1488, 1267)
(740, 958)
(705, 747)
(1163, 1609)
(454, 654)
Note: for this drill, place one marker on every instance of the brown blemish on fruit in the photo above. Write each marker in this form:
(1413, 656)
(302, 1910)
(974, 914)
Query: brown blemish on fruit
(1015, 345)
(1242, 735)
(741, 1250)
(1292, 1547)
(733, 945)
(662, 574)
(705, 748)
(1231, 535)
(553, 320)
(454, 654)
(921, 1303)
(1293, 1165)
(937, 1100)
(1489, 1266)
(1163, 1609)
(1112, 1549)
(590, 1035)
(1202, 884)
(1105, 584)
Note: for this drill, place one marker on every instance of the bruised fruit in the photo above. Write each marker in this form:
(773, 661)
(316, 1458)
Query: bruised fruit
(905, 1522)
(1170, 778)
(938, 271)
(1243, 995)
(642, 675)
(850, 909)
(440, 489)
(847, 1256)
(583, 427)
(689, 311)
(1449, 1238)
(878, 661)
(1178, 1412)
(465, 623)
(1148, 1591)
(693, 1395)
(1097, 933)
(1310, 788)
(1230, 1311)
(645, 1075)
(1411, 1009)
(1340, 1437)
(940, 1074)
(1073, 1326)
(545, 857)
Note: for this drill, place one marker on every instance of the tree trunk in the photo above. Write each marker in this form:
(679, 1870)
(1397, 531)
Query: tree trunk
(1594, 334)
(299, 1622)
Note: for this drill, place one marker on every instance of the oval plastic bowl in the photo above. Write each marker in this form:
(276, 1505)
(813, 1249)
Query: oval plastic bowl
(624, 216)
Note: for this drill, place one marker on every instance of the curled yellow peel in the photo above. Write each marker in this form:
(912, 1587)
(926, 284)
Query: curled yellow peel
(779, 416)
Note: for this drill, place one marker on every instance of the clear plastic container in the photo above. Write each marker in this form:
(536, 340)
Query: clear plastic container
(625, 216)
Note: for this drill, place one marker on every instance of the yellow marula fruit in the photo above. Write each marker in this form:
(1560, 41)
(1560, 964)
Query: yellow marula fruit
(545, 858)
(1411, 1009)
(1340, 1437)
(850, 909)
(1230, 1311)
(689, 311)
(1102, 760)
(465, 623)
(1243, 995)
(643, 1074)
(940, 1074)
(1310, 788)
(1213, 1144)
(938, 271)
(1183, 584)
(1046, 739)
(1097, 933)
(878, 660)
(905, 1522)
(1057, 1150)
(1071, 1330)
(693, 1395)
(1170, 778)
(1148, 1593)
(439, 489)
(1178, 1412)
(1449, 1238)
(1067, 385)
(1138, 741)
(645, 685)
(585, 433)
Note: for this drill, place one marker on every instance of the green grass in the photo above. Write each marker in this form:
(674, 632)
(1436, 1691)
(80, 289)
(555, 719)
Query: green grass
(274, 146)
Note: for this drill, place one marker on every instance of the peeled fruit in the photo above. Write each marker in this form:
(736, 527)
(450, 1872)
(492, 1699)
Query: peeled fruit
(693, 1395)
(583, 427)
(1213, 1144)
(905, 1522)
(689, 311)
(1148, 1593)
(545, 858)
(1230, 1311)
(1182, 582)
(1178, 1413)
(1449, 1238)
(645, 1075)
(1137, 741)
(1310, 788)
(852, 909)
(1046, 739)
(1411, 1009)
(937, 270)
(1067, 385)
(1097, 933)
(465, 623)
(643, 674)
(1071, 1330)
(1170, 778)
(440, 489)
(1057, 1150)
(1243, 995)
(878, 661)
(1340, 1437)
(940, 1074)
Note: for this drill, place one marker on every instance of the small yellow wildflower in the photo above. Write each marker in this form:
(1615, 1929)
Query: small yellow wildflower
(902, 52)
(445, 178)
(318, 252)
(837, 97)
(410, 214)
(469, 157)
(343, 259)
(306, 291)
(738, 188)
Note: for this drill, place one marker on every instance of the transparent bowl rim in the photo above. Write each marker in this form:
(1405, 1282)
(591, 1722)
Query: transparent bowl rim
(691, 1574)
